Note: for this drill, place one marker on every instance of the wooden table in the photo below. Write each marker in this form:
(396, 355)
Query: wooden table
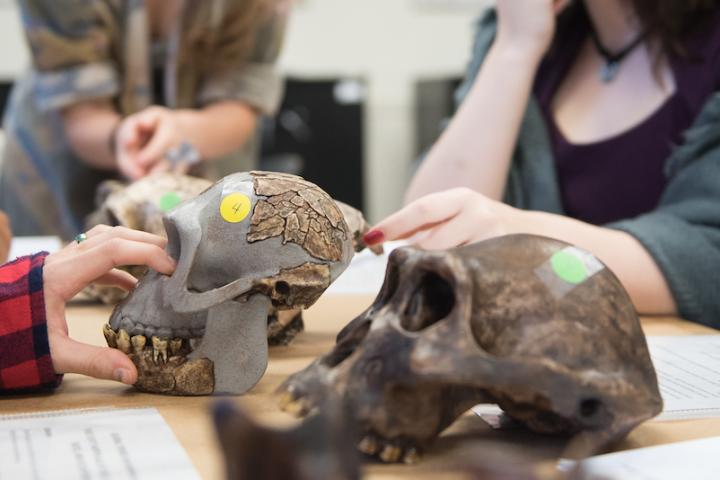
(189, 417)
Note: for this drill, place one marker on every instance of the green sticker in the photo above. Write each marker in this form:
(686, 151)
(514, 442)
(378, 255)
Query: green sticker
(169, 201)
(569, 267)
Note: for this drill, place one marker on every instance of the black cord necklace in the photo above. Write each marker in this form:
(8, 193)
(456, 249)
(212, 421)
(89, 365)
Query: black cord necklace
(612, 60)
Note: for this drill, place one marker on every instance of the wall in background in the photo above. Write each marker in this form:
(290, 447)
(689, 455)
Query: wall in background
(390, 44)
(13, 50)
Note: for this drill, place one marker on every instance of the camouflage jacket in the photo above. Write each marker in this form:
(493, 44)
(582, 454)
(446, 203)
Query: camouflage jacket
(96, 49)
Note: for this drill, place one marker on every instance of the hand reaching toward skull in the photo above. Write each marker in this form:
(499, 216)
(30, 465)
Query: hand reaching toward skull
(448, 219)
(68, 271)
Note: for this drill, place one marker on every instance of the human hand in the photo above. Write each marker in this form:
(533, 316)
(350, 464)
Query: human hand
(143, 141)
(5, 237)
(528, 25)
(448, 219)
(69, 270)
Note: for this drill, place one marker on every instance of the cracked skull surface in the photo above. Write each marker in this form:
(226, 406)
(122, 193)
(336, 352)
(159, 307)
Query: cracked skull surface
(537, 326)
(250, 243)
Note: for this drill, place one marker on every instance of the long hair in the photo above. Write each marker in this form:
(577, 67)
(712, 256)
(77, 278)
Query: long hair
(669, 21)
(666, 23)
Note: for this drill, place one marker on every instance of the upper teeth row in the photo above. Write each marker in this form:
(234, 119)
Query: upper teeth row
(134, 328)
(387, 451)
(136, 344)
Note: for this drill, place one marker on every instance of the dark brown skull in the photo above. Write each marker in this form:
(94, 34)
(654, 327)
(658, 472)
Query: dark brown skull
(535, 325)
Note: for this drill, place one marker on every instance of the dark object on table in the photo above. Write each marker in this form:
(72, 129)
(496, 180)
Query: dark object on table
(322, 447)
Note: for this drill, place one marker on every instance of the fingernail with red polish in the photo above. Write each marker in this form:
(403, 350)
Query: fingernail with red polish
(373, 237)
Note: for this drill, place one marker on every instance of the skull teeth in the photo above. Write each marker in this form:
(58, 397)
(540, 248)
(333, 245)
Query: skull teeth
(389, 451)
(291, 403)
(369, 445)
(138, 343)
(411, 456)
(160, 348)
(110, 336)
(123, 341)
(175, 346)
(390, 454)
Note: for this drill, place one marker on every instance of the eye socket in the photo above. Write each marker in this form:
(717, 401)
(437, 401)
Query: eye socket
(589, 407)
(281, 287)
(432, 301)
(348, 341)
(173, 235)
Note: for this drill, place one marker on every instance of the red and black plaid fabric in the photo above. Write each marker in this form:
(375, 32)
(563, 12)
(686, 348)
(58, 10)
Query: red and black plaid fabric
(25, 362)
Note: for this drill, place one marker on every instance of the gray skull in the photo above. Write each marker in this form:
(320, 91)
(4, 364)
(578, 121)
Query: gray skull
(251, 242)
(537, 326)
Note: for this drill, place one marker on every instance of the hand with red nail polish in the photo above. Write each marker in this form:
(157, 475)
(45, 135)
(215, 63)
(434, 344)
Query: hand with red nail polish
(374, 236)
(448, 219)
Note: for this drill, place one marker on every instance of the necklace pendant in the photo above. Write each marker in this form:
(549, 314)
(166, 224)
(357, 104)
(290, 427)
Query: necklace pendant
(608, 71)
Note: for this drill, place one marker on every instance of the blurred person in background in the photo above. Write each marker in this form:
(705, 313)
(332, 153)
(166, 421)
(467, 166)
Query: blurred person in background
(596, 122)
(126, 88)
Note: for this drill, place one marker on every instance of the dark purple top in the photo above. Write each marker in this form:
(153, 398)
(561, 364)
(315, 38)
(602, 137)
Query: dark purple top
(622, 176)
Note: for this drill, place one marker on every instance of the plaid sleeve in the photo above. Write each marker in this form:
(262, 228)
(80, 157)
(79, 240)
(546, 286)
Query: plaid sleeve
(25, 362)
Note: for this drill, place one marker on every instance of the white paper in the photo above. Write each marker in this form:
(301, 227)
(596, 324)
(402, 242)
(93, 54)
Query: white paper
(688, 370)
(21, 246)
(494, 416)
(696, 459)
(366, 272)
(109, 444)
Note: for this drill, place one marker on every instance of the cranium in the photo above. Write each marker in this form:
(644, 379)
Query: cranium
(251, 242)
(539, 327)
(141, 205)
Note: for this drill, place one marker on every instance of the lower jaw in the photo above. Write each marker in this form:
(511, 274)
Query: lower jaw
(163, 365)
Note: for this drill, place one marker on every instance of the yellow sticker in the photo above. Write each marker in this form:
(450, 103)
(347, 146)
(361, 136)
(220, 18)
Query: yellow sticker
(235, 207)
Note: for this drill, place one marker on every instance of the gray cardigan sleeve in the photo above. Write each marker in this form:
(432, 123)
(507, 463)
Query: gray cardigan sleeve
(683, 233)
